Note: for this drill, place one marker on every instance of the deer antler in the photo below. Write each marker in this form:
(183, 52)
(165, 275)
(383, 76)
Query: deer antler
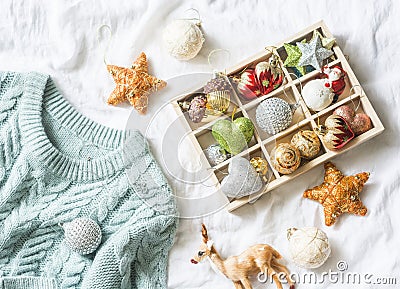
(204, 233)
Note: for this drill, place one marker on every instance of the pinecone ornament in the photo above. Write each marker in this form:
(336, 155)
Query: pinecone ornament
(83, 235)
(197, 108)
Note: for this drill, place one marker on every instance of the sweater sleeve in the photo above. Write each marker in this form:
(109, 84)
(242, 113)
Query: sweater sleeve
(11, 89)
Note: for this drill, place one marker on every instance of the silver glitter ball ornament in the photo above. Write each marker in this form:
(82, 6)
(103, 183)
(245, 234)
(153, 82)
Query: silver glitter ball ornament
(215, 154)
(83, 235)
(274, 115)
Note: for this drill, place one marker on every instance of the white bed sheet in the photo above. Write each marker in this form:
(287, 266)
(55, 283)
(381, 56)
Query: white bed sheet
(60, 38)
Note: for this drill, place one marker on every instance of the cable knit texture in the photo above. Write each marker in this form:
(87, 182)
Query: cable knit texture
(57, 165)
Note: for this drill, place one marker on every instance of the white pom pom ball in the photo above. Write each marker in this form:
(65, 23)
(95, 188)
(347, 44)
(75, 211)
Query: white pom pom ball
(83, 235)
(316, 95)
(183, 39)
(309, 247)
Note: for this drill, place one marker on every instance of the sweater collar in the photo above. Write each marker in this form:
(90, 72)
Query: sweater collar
(40, 93)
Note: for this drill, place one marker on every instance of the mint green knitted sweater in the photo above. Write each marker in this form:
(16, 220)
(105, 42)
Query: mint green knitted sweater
(57, 165)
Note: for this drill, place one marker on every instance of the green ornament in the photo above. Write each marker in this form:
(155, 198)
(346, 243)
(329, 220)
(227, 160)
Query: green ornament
(293, 57)
(233, 136)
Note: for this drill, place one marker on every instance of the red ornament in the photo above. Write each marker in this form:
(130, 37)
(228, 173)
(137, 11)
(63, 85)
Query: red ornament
(248, 85)
(336, 132)
(266, 77)
(335, 78)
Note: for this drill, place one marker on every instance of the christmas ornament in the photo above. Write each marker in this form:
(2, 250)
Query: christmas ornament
(316, 95)
(215, 154)
(325, 41)
(336, 132)
(285, 158)
(183, 39)
(269, 75)
(248, 85)
(293, 56)
(134, 84)
(335, 80)
(307, 142)
(309, 247)
(274, 115)
(218, 94)
(197, 108)
(83, 235)
(257, 259)
(359, 123)
(313, 53)
(242, 180)
(260, 165)
(266, 77)
(233, 136)
(339, 194)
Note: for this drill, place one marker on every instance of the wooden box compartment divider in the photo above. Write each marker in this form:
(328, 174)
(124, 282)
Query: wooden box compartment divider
(303, 118)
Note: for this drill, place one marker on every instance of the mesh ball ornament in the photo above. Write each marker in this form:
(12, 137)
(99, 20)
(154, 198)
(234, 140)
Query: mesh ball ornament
(309, 247)
(274, 115)
(83, 235)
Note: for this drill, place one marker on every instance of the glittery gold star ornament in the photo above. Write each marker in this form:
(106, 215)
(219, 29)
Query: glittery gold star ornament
(326, 42)
(293, 57)
(338, 193)
(313, 53)
(134, 84)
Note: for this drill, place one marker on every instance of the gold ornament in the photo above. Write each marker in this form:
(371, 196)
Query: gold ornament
(285, 158)
(218, 101)
(260, 164)
(307, 142)
(134, 84)
(338, 194)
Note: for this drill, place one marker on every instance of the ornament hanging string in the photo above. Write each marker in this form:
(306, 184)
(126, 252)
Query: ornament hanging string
(296, 105)
(198, 19)
(210, 62)
(108, 40)
(352, 89)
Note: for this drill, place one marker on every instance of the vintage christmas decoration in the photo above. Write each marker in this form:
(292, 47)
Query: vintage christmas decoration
(183, 39)
(260, 165)
(233, 136)
(339, 194)
(307, 142)
(197, 108)
(242, 179)
(336, 132)
(309, 247)
(134, 84)
(218, 94)
(258, 260)
(359, 123)
(285, 158)
(335, 80)
(274, 115)
(317, 95)
(293, 56)
(325, 41)
(83, 235)
(264, 78)
(215, 154)
(313, 53)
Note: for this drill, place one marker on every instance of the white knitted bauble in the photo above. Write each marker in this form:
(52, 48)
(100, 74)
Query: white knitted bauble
(316, 95)
(309, 247)
(83, 235)
(183, 39)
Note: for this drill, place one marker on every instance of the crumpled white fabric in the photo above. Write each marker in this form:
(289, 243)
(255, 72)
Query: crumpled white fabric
(60, 38)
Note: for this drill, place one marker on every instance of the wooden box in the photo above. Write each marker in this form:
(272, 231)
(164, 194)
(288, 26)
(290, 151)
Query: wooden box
(263, 143)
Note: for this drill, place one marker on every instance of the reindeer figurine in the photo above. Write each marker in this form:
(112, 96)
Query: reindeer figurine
(256, 259)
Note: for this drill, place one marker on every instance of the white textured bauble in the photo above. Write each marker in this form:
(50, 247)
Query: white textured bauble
(273, 115)
(83, 235)
(316, 95)
(183, 39)
(309, 247)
